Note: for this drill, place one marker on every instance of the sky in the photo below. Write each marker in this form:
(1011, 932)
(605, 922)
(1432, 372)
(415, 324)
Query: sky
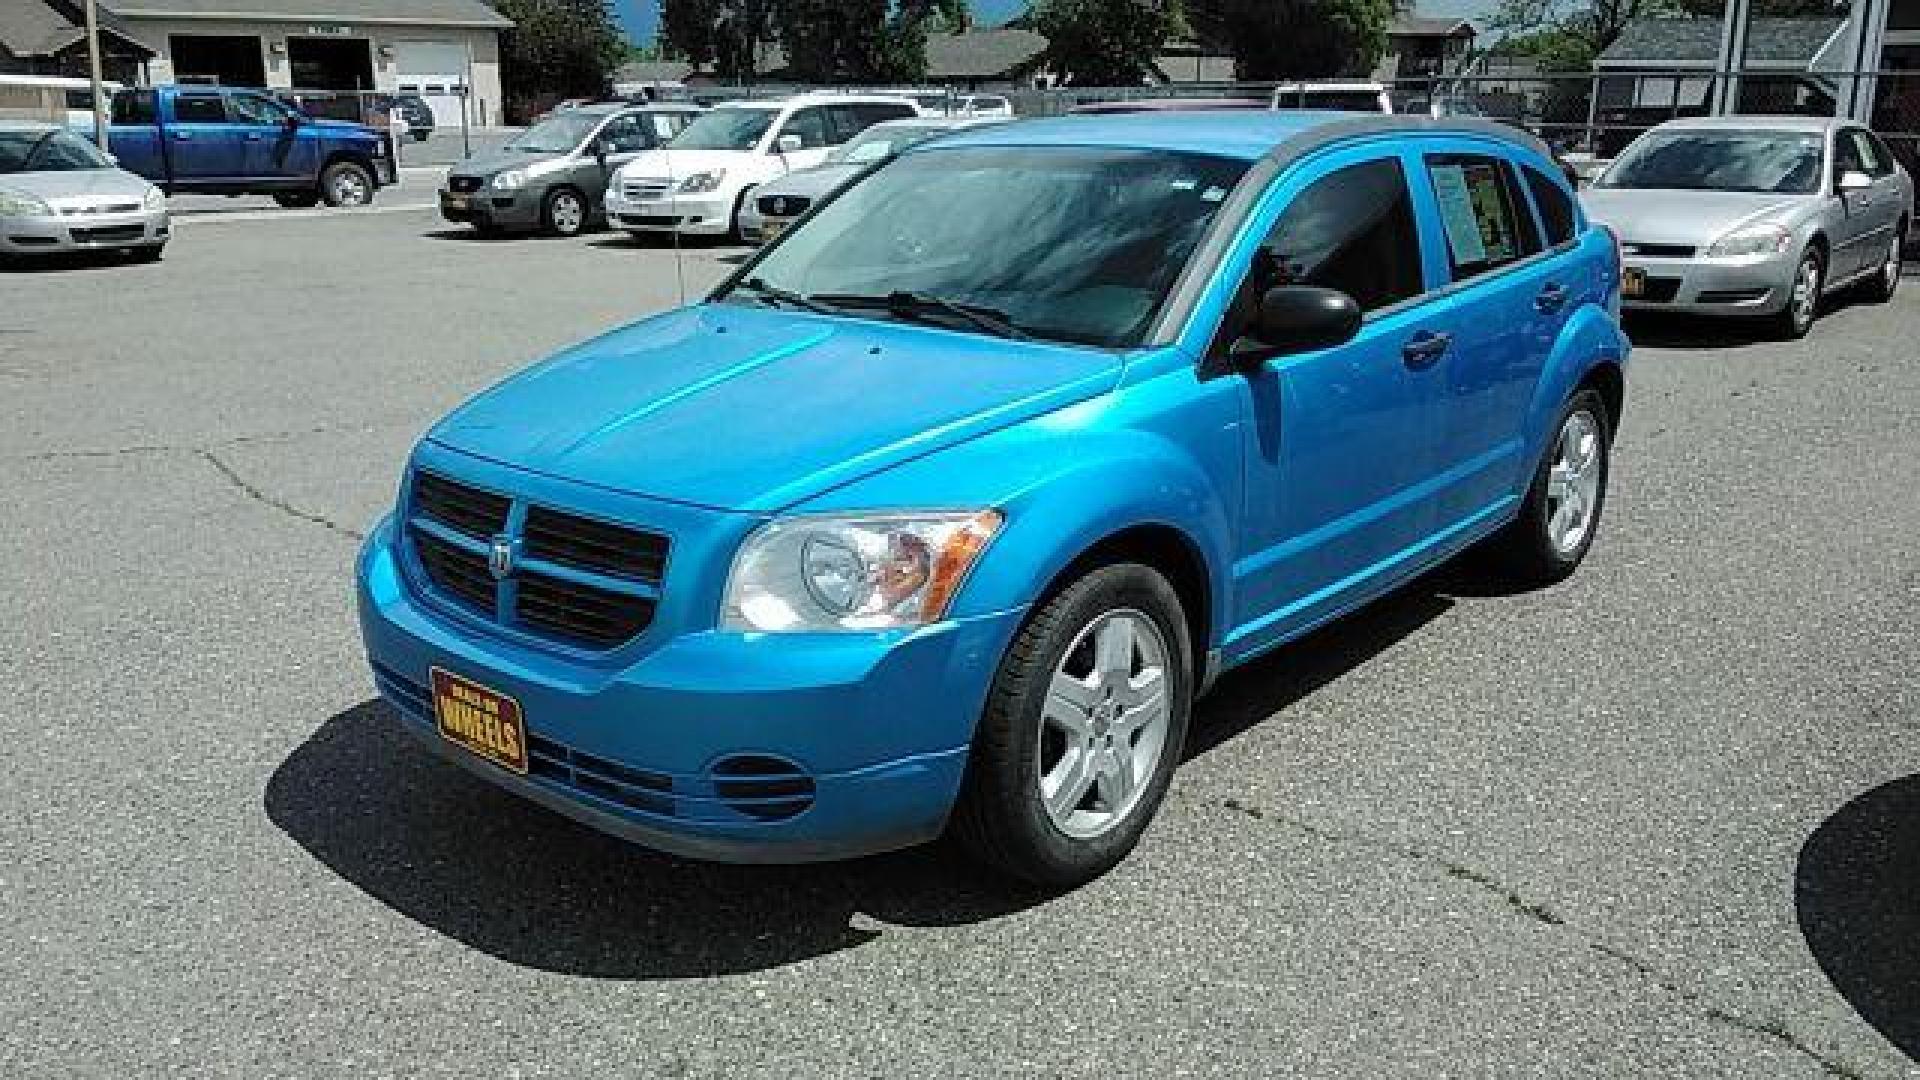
(641, 16)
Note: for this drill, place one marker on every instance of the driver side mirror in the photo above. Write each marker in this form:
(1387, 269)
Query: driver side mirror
(1296, 319)
(1854, 180)
(787, 144)
(599, 148)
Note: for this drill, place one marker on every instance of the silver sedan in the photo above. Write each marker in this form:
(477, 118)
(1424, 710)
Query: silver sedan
(58, 192)
(1755, 216)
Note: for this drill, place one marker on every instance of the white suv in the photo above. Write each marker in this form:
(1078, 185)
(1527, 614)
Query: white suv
(697, 183)
(1338, 96)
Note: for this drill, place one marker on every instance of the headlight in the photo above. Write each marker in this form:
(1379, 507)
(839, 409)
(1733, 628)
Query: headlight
(703, 181)
(20, 204)
(510, 180)
(156, 199)
(1753, 240)
(854, 573)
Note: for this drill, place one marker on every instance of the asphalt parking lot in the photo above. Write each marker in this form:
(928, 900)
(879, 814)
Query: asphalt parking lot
(1661, 820)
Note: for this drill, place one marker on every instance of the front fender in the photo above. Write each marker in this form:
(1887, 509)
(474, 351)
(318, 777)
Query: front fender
(1064, 488)
(1591, 337)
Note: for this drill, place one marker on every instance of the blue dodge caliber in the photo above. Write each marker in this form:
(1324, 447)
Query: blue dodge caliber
(938, 515)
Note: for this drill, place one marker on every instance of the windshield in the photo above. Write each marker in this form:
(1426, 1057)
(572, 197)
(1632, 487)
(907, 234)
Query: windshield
(876, 143)
(725, 129)
(1061, 243)
(57, 150)
(1785, 162)
(557, 134)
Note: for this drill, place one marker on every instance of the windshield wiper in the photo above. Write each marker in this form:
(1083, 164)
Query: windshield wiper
(915, 305)
(759, 287)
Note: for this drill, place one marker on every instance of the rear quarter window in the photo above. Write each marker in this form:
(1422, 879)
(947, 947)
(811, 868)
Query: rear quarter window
(1554, 204)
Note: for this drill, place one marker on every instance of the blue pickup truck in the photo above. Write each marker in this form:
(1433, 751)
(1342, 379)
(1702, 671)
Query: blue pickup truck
(242, 142)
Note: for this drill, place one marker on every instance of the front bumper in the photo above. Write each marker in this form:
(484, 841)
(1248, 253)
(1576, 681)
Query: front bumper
(1749, 285)
(84, 232)
(488, 208)
(709, 214)
(878, 724)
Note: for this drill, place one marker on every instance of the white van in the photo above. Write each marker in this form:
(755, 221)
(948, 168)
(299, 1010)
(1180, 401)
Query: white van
(697, 183)
(1335, 96)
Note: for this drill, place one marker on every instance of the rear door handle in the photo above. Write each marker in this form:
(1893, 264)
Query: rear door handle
(182, 136)
(1426, 347)
(1550, 299)
(254, 137)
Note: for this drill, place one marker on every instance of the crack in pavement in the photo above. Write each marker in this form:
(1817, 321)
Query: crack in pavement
(1540, 913)
(190, 448)
(281, 505)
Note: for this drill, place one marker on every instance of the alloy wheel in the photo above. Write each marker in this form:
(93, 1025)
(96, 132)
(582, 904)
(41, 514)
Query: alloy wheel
(349, 188)
(1104, 725)
(1573, 483)
(567, 213)
(1805, 299)
(1892, 268)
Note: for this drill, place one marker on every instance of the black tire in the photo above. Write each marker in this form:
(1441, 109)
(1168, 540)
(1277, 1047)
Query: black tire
(297, 200)
(345, 183)
(1792, 322)
(1524, 554)
(557, 220)
(1000, 818)
(1879, 288)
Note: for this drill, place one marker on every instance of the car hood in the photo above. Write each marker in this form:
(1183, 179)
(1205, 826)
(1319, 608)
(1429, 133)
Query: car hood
(679, 164)
(811, 183)
(1694, 218)
(90, 187)
(490, 162)
(750, 409)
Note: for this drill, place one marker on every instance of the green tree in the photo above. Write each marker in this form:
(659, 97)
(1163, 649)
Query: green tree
(557, 49)
(1295, 39)
(1105, 42)
(724, 35)
(861, 41)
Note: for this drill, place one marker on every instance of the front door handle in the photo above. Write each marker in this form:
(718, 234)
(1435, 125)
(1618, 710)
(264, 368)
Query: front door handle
(1426, 347)
(1550, 299)
(182, 136)
(254, 137)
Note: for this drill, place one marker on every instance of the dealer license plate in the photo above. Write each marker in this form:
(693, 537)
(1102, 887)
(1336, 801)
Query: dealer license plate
(457, 202)
(771, 228)
(1633, 281)
(484, 721)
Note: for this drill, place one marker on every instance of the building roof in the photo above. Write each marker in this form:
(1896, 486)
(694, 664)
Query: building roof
(1421, 26)
(982, 54)
(652, 71)
(44, 28)
(333, 12)
(1775, 43)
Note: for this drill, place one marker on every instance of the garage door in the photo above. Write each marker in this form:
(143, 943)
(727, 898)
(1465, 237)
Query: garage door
(435, 70)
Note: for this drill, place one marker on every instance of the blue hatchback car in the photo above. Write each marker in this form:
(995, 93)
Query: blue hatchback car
(939, 514)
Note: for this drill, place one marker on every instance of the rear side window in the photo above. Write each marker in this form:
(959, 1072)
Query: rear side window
(200, 109)
(1554, 204)
(1481, 212)
(1881, 150)
(133, 107)
(811, 125)
(1351, 230)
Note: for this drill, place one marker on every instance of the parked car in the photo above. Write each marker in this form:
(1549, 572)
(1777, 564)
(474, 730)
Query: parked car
(552, 175)
(778, 203)
(699, 182)
(1337, 96)
(1755, 216)
(1169, 104)
(243, 142)
(939, 513)
(59, 193)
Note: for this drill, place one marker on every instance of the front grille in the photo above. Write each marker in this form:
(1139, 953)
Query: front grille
(547, 572)
(1658, 251)
(644, 189)
(1660, 290)
(111, 234)
(762, 787)
(463, 185)
(783, 205)
(653, 221)
(115, 208)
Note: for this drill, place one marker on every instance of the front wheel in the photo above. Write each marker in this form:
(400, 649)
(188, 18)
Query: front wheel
(1561, 512)
(565, 212)
(1803, 297)
(1881, 286)
(346, 184)
(1083, 728)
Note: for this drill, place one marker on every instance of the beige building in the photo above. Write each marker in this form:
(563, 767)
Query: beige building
(445, 51)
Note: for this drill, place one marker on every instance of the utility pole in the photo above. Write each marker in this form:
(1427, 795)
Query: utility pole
(100, 104)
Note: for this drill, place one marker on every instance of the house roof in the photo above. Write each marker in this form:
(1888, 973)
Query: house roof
(1421, 26)
(402, 12)
(982, 54)
(1776, 43)
(649, 71)
(43, 28)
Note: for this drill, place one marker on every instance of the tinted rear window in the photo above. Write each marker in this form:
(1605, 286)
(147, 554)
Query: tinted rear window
(1555, 205)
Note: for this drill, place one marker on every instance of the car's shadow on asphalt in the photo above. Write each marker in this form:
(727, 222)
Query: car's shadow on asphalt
(68, 262)
(1857, 895)
(518, 882)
